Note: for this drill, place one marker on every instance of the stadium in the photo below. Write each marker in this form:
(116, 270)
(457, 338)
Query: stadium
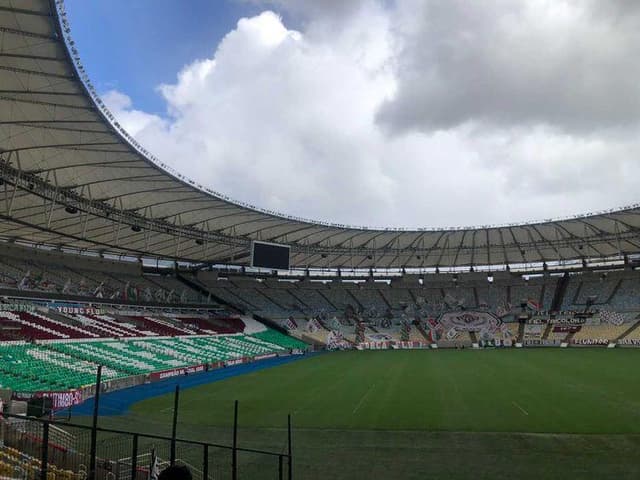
(146, 320)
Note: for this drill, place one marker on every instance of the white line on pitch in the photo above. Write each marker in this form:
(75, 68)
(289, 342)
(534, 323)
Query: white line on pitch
(363, 398)
(521, 409)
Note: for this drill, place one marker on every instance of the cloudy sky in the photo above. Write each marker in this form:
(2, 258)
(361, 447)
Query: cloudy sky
(381, 112)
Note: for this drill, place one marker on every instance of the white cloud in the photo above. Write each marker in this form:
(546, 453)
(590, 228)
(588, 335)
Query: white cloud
(133, 121)
(299, 122)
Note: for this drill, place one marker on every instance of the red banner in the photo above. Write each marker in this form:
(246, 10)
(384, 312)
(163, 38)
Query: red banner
(59, 399)
(566, 328)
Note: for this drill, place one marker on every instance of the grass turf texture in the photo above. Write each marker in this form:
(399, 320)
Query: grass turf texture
(546, 413)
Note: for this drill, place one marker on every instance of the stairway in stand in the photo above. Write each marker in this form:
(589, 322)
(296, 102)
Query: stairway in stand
(569, 337)
(520, 332)
(422, 331)
(629, 330)
(558, 296)
(323, 325)
(547, 331)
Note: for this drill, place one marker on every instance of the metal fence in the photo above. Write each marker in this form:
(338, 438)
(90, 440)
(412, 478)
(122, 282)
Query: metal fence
(45, 449)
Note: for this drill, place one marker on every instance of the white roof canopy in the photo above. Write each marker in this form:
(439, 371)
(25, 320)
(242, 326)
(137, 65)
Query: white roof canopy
(71, 176)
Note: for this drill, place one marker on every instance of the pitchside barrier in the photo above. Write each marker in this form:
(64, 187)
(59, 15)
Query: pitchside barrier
(53, 450)
(46, 449)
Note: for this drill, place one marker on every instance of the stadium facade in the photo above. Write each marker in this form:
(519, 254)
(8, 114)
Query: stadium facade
(73, 178)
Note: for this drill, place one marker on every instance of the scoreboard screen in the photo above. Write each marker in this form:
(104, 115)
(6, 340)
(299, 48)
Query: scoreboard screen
(270, 255)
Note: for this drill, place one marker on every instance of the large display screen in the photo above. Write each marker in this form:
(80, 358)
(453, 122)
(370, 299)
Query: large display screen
(270, 255)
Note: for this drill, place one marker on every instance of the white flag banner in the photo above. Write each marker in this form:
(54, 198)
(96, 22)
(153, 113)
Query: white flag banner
(154, 469)
(452, 334)
(614, 318)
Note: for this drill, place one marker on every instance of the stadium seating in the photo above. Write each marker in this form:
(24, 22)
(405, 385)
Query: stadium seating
(370, 298)
(549, 286)
(415, 335)
(21, 325)
(557, 335)
(333, 303)
(61, 273)
(128, 357)
(600, 332)
(398, 297)
(533, 332)
(511, 331)
(66, 364)
(29, 367)
(182, 292)
(157, 326)
(458, 295)
(627, 295)
(105, 326)
(312, 296)
(632, 337)
(317, 337)
(277, 338)
(18, 464)
(281, 299)
(39, 327)
(520, 293)
(50, 271)
(339, 297)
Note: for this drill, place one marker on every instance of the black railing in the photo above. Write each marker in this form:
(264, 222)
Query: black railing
(94, 453)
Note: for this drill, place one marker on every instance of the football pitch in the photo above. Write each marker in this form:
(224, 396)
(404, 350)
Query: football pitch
(528, 413)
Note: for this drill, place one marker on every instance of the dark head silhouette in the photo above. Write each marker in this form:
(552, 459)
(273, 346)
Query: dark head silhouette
(175, 472)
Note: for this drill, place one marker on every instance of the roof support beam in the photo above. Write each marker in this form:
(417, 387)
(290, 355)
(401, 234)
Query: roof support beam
(37, 73)
(28, 56)
(24, 11)
(23, 33)
(5, 98)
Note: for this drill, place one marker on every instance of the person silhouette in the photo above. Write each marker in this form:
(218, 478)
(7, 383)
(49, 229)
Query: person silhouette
(175, 472)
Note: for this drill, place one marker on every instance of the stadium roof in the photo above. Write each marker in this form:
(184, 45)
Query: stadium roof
(72, 177)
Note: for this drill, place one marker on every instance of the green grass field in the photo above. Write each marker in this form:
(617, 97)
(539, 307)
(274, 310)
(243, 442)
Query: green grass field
(546, 413)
